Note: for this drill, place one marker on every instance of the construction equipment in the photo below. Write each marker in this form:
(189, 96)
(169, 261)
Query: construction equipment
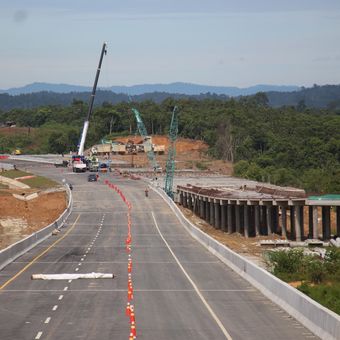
(16, 152)
(170, 163)
(79, 163)
(146, 141)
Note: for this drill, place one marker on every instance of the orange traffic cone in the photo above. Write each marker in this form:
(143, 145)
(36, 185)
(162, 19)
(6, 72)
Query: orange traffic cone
(133, 329)
(132, 317)
(128, 309)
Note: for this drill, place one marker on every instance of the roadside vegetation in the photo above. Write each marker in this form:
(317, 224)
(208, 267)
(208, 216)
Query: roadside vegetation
(37, 182)
(294, 146)
(317, 277)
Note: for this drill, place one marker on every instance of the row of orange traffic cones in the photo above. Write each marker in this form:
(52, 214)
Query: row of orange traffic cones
(130, 307)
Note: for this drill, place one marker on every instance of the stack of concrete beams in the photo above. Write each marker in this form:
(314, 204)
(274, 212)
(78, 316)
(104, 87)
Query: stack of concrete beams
(259, 211)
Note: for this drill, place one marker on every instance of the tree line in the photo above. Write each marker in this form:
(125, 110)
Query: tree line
(285, 146)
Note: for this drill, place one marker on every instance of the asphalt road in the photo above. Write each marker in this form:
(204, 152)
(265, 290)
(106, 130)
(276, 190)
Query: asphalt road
(181, 291)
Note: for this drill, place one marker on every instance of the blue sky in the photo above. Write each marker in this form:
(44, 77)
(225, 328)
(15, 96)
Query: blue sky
(216, 42)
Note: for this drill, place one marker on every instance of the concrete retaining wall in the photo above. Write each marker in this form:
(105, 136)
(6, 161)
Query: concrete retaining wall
(17, 249)
(318, 319)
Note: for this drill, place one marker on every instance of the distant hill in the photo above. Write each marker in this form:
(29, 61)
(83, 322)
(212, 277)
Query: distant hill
(178, 88)
(327, 96)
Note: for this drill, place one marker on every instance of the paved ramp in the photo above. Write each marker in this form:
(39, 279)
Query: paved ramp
(181, 291)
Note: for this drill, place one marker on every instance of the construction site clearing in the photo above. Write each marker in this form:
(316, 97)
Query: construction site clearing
(194, 169)
(26, 209)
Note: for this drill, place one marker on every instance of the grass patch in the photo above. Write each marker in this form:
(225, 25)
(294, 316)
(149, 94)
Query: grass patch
(40, 182)
(37, 182)
(327, 295)
(320, 276)
(14, 173)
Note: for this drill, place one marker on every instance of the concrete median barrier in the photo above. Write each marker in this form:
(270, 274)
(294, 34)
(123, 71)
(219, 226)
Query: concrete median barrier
(318, 319)
(17, 249)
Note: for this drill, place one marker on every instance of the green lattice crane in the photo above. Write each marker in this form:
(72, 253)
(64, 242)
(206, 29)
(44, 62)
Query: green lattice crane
(146, 140)
(170, 164)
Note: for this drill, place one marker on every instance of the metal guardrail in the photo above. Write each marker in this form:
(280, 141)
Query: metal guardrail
(318, 319)
(17, 249)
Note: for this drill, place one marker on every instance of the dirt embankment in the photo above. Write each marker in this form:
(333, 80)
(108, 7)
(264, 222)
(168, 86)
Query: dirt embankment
(19, 219)
(190, 154)
(182, 144)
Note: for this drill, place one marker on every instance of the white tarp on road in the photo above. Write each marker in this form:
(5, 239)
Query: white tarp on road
(72, 276)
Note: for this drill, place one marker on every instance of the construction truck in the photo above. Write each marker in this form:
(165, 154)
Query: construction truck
(158, 149)
(78, 163)
(118, 148)
(131, 147)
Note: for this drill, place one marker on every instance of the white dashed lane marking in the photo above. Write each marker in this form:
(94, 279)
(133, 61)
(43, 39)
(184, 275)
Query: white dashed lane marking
(38, 336)
(48, 320)
(60, 297)
(55, 307)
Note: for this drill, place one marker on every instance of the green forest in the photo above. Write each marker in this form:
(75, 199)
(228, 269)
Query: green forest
(291, 145)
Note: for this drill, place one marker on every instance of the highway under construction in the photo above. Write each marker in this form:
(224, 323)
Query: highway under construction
(174, 287)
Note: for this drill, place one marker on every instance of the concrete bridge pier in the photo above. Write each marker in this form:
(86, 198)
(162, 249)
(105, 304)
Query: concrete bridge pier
(292, 222)
(338, 221)
(211, 208)
(326, 222)
(251, 216)
(298, 219)
(263, 220)
(310, 222)
(190, 202)
(181, 198)
(237, 218)
(269, 218)
(246, 211)
(207, 209)
(230, 218)
(224, 216)
(283, 221)
(217, 214)
(202, 210)
(185, 200)
(315, 222)
(257, 220)
(275, 219)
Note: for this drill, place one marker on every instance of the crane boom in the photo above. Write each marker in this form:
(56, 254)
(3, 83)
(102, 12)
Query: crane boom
(170, 164)
(86, 123)
(146, 140)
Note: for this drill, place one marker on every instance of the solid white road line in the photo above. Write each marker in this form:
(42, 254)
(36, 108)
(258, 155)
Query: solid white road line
(212, 313)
